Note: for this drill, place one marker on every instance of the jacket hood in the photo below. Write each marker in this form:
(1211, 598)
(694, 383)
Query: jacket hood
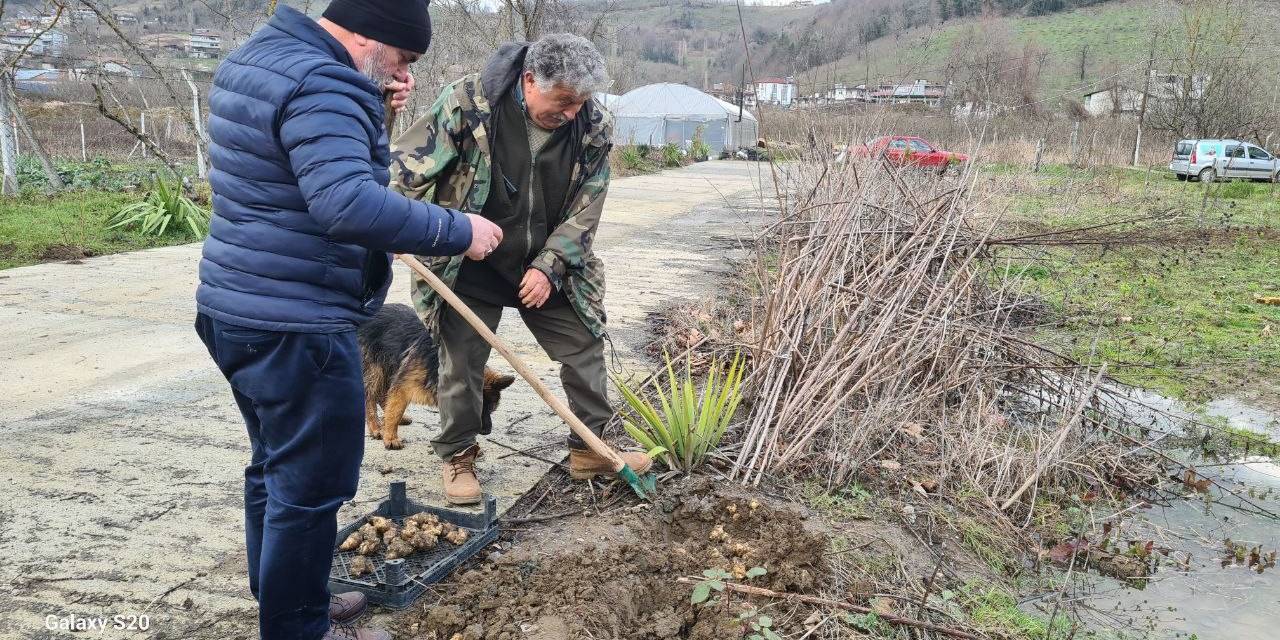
(502, 70)
(501, 73)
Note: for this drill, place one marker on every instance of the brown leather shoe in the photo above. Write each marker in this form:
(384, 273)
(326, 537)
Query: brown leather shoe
(461, 486)
(348, 632)
(345, 607)
(584, 464)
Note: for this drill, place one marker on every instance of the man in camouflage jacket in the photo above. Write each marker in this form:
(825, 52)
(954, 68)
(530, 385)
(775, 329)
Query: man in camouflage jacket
(524, 145)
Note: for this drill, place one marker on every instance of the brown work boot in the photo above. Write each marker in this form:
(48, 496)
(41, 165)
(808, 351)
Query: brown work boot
(345, 607)
(349, 632)
(585, 464)
(461, 486)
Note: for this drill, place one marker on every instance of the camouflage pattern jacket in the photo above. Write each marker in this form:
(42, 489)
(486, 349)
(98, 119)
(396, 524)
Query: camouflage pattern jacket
(444, 158)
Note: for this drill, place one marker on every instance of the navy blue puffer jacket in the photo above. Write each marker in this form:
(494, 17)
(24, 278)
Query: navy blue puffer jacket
(302, 217)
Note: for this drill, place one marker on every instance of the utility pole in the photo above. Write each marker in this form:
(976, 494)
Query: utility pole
(1142, 110)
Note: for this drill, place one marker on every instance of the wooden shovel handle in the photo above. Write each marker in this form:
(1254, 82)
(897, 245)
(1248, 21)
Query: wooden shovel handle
(579, 429)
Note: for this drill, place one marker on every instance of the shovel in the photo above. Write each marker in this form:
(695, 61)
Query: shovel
(645, 487)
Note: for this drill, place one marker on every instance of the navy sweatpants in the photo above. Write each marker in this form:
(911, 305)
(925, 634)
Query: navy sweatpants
(302, 399)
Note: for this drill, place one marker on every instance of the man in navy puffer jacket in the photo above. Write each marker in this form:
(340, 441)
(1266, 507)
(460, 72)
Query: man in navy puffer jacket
(296, 258)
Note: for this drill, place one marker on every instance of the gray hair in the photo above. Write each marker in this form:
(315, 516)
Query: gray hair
(569, 61)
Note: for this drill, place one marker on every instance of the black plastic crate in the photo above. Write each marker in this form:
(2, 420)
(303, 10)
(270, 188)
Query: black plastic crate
(397, 583)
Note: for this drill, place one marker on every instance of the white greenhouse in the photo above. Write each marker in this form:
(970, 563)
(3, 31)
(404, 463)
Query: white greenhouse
(664, 113)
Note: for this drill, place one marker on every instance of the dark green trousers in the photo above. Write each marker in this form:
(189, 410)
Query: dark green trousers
(463, 354)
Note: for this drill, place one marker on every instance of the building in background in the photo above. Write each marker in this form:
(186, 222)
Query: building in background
(52, 42)
(1124, 99)
(843, 92)
(204, 43)
(37, 80)
(779, 91)
(170, 43)
(733, 94)
(666, 112)
(918, 92)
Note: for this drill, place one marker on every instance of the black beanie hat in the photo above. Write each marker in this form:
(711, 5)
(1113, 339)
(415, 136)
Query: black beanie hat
(400, 23)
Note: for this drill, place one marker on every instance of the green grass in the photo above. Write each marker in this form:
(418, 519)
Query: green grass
(1177, 316)
(37, 229)
(851, 502)
(993, 609)
(1116, 34)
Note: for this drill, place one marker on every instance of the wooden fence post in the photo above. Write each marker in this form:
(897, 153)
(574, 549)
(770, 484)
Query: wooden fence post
(84, 151)
(201, 171)
(1075, 140)
(9, 181)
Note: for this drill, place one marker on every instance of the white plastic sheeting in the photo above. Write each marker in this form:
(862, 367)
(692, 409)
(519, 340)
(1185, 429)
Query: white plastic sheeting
(666, 112)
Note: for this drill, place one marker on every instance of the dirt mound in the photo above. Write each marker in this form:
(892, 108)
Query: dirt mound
(627, 587)
(57, 252)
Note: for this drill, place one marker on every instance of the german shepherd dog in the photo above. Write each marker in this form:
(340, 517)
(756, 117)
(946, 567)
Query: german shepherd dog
(401, 366)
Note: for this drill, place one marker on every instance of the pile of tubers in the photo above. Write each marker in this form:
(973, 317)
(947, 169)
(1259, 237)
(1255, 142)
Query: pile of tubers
(420, 532)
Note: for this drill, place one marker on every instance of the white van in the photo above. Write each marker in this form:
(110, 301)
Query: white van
(1209, 160)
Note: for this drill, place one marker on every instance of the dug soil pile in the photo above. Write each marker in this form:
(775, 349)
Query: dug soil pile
(616, 574)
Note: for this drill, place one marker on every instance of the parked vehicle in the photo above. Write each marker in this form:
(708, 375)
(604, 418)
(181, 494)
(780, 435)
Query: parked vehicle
(1210, 160)
(911, 151)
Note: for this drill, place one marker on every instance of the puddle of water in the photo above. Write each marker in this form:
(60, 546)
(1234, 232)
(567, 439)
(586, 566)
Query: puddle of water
(1241, 415)
(1209, 600)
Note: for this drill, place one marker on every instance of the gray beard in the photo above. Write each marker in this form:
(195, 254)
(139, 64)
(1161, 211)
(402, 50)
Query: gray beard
(372, 67)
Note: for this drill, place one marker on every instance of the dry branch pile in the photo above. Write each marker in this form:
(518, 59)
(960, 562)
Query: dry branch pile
(885, 338)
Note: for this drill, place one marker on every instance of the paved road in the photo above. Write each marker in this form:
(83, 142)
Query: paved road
(122, 451)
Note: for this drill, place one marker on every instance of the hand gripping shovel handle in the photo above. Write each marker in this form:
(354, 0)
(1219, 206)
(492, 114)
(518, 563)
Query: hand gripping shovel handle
(579, 429)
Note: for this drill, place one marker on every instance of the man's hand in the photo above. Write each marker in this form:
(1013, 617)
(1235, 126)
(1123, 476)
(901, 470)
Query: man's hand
(535, 288)
(400, 87)
(485, 237)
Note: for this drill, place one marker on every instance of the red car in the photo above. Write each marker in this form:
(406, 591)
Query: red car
(910, 151)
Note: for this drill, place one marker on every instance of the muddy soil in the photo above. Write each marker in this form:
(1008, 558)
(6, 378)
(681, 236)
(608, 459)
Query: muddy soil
(616, 575)
(60, 252)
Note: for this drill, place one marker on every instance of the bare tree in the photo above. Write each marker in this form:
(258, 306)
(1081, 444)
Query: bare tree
(989, 71)
(120, 117)
(46, 163)
(1215, 84)
(539, 17)
(9, 89)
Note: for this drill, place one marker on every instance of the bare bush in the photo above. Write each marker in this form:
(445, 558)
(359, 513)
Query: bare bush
(1009, 138)
(886, 339)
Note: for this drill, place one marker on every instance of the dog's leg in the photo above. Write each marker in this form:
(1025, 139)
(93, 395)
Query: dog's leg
(374, 389)
(371, 414)
(393, 410)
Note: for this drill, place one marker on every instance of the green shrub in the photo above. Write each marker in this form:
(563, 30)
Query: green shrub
(698, 149)
(671, 155)
(690, 423)
(163, 209)
(633, 159)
